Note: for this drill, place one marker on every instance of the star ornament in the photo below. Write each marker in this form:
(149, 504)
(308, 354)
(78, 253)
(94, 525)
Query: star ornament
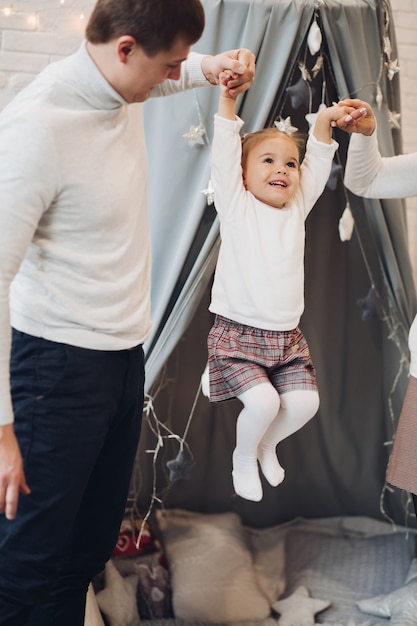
(209, 193)
(299, 93)
(312, 117)
(314, 38)
(392, 68)
(394, 120)
(371, 306)
(285, 126)
(346, 224)
(196, 135)
(299, 609)
(181, 465)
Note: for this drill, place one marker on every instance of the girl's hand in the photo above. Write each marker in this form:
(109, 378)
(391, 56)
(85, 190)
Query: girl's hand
(361, 118)
(225, 79)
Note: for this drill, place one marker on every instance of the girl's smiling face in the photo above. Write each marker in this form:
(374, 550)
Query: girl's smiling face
(272, 170)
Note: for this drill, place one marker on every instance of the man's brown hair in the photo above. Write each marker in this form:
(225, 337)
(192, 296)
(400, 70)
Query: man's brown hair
(155, 24)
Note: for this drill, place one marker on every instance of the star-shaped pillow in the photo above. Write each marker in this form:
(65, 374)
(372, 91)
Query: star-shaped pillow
(299, 609)
(400, 605)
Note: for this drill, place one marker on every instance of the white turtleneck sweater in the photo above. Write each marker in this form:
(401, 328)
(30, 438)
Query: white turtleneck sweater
(370, 175)
(74, 237)
(259, 278)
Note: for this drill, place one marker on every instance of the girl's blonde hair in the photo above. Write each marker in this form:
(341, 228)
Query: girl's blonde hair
(251, 140)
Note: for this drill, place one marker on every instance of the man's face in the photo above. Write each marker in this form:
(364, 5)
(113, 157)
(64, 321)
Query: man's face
(141, 73)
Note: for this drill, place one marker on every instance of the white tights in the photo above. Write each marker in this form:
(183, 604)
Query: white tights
(266, 419)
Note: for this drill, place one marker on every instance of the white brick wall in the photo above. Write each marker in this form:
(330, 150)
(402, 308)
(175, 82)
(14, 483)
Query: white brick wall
(39, 31)
(34, 33)
(405, 21)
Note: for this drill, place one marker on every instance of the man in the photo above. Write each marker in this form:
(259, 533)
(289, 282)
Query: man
(74, 286)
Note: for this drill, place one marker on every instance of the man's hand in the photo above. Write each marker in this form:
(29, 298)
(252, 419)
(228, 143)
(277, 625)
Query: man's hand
(240, 63)
(12, 477)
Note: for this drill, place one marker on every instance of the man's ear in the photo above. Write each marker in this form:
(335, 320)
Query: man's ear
(125, 46)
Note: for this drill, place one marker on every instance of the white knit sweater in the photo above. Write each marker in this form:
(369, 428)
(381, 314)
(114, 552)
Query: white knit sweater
(74, 240)
(370, 175)
(259, 278)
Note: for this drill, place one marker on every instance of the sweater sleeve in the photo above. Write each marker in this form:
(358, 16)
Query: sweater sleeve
(191, 76)
(315, 170)
(27, 165)
(412, 344)
(226, 169)
(370, 175)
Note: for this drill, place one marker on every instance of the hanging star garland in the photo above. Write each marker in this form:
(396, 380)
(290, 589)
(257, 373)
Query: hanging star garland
(371, 305)
(209, 193)
(299, 93)
(387, 46)
(392, 68)
(312, 117)
(314, 38)
(181, 465)
(394, 119)
(317, 67)
(196, 136)
(346, 224)
(379, 97)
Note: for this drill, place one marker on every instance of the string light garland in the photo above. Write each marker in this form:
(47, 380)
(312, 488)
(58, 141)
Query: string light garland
(301, 93)
(32, 15)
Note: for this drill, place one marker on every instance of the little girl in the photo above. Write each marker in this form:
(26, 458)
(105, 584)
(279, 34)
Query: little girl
(257, 353)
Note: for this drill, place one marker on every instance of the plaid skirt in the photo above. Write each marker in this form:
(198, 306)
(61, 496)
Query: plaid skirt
(241, 357)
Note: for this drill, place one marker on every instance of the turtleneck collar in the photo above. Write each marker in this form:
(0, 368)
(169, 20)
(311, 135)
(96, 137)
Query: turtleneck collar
(91, 82)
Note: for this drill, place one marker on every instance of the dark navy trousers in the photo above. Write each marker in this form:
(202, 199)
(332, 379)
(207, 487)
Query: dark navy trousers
(78, 416)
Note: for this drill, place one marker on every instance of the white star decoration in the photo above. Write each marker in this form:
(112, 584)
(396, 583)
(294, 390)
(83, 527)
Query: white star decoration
(387, 46)
(394, 119)
(392, 68)
(379, 97)
(299, 609)
(196, 135)
(346, 224)
(311, 117)
(314, 38)
(285, 126)
(209, 193)
(317, 66)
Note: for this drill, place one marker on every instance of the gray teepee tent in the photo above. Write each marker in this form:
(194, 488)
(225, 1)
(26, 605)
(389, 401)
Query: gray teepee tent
(359, 293)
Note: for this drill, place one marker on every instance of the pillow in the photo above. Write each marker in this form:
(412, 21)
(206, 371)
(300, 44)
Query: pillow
(212, 573)
(268, 552)
(128, 536)
(92, 612)
(346, 569)
(118, 598)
